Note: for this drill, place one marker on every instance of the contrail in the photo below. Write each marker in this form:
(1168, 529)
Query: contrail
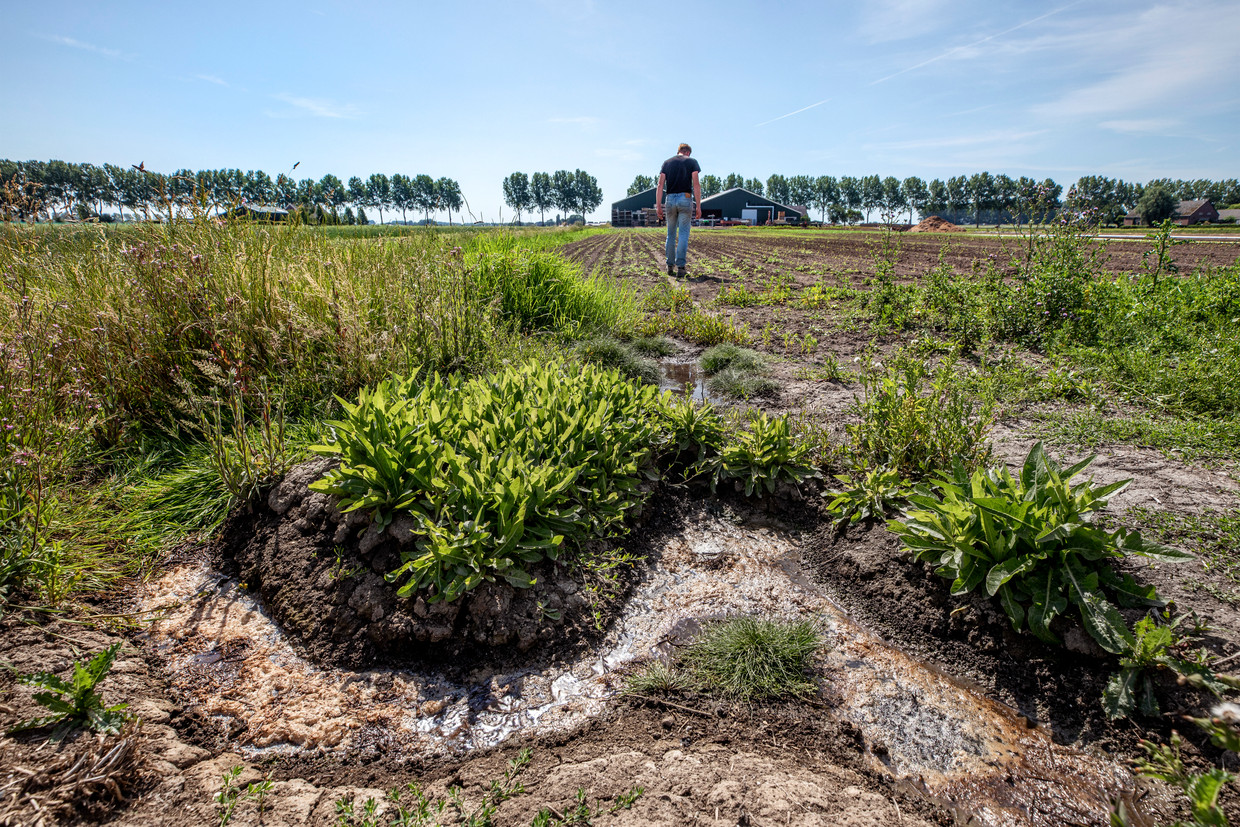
(790, 114)
(952, 51)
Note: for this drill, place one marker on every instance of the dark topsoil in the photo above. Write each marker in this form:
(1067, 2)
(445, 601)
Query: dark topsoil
(970, 638)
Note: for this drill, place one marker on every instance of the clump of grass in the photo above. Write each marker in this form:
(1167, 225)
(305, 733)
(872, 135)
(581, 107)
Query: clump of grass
(658, 677)
(741, 385)
(653, 346)
(729, 355)
(606, 352)
(737, 372)
(750, 658)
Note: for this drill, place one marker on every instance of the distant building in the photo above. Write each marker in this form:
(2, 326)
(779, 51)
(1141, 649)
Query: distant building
(742, 205)
(1186, 212)
(1230, 216)
(739, 205)
(257, 213)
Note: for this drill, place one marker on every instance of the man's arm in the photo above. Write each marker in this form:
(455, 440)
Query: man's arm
(697, 196)
(658, 195)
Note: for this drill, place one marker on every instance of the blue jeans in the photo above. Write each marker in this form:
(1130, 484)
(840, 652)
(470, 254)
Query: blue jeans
(678, 208)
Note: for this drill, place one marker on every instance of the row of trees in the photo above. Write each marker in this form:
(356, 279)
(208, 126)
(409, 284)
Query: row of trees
(35, 188)
(978, 198)
(576, 191)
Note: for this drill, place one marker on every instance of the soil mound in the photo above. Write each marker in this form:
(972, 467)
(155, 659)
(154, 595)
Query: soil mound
(320, 574)
(934, 224)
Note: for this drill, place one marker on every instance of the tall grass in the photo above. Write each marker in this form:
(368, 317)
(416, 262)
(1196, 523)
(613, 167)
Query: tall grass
(112, 337)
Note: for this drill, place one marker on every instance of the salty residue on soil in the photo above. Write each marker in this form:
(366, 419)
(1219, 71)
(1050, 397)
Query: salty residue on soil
(229, 659)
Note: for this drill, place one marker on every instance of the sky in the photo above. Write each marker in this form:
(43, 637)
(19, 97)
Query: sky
(1132, 89)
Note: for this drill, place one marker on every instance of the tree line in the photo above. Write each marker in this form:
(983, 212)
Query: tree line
(576, 191)
(977, 199)
(34, 189)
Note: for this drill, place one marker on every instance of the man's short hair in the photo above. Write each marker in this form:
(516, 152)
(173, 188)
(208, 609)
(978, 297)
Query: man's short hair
(684, 149)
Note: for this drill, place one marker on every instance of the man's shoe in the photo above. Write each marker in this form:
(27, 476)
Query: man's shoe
(681, 273)
(671, 270)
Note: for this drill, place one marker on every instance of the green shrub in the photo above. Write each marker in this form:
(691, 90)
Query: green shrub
(918, 423)
(1157, 646)
(690, 428)
(878, 493)
(496, 471)
(1028, 542)
(750, 658)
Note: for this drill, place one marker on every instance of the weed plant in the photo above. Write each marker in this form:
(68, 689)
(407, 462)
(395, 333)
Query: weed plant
(653, 346)
(737, 372)
(918, 422)
(1029, 542)
(761, 454)
(73, 703)
(496, 471)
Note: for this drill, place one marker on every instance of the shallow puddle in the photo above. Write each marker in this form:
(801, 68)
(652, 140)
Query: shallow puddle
(683, 379)
(919, 724)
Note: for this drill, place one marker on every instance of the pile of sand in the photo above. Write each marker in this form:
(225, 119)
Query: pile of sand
(934, 224)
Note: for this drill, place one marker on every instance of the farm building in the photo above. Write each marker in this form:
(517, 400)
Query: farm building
(1187, 212)
(635, 210)
(742, 205)
(730, 205)
(257, 213)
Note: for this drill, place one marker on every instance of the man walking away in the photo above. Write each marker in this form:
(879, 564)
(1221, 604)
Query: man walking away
(679, 179)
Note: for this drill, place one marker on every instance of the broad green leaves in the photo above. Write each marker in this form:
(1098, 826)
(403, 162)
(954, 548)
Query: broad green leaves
(1029, 542)
(497, 472)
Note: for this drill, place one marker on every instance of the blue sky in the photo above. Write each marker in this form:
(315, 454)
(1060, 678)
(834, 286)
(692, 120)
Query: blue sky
(1135, 89)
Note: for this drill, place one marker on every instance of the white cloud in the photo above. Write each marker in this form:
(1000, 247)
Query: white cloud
(212, 79)
(1168, 60)
(318, 107)
(883, 21)
(87, 47)
(1156, 126)
(969, 50)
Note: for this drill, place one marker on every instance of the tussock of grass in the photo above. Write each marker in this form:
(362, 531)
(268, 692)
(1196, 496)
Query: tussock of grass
(609, 353)
(653, 346)
(751, 658)
(657, 677)
(741, 385)
(728, 355)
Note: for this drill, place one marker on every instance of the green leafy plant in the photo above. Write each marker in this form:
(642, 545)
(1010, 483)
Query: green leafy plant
(750, 658)
(690, 429)
(762, 455)
(74, 703)
(873, 497)
(917, 422)
(497, 472)
(1159, 646)
(1028, 541)
(1163, 761)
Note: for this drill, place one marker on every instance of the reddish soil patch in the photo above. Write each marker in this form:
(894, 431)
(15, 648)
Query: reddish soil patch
(934, 224)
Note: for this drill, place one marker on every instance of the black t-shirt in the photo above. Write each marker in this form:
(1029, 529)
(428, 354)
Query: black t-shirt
(679, 170)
